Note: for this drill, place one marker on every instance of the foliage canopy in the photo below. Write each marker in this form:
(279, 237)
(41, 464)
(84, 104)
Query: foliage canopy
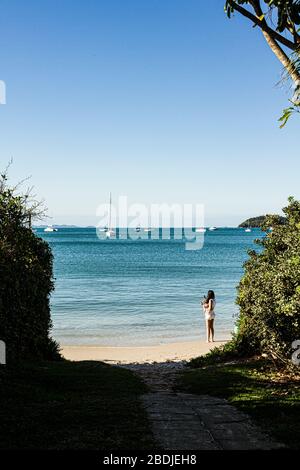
(269, 291)
(279, 21)
(26, 279)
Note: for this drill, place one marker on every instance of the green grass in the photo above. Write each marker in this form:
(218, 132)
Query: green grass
(271, 399)
(72, 405)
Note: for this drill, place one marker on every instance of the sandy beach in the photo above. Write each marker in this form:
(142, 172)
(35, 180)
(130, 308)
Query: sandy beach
(139, 354)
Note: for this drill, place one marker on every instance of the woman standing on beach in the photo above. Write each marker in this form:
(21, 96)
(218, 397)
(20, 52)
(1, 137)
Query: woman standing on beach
(208, 307)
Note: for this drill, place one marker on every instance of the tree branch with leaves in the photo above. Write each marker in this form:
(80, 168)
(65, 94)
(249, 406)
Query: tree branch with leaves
(279, 21)
(27, 206)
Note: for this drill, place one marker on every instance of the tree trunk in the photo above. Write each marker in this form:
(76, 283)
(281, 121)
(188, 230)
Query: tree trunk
(274, 46)
(284, 59)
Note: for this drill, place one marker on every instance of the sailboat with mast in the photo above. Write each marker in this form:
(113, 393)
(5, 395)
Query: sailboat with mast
(109, 232)
(248, 229)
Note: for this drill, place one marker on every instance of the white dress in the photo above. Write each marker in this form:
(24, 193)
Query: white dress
(210, 315)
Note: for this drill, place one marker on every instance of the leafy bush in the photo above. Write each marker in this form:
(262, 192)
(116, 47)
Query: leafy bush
(269, 291)
(26, 281)
(228, 352)
(268, 296)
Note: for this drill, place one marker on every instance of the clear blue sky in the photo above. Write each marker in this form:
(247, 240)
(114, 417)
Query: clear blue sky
(160, 100)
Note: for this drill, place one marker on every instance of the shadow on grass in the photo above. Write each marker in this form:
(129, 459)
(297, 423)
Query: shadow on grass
(72, 405)
(273, 404)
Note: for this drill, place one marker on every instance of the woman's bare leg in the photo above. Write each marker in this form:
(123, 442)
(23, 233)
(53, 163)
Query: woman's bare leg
(207, 331)
(212, 330)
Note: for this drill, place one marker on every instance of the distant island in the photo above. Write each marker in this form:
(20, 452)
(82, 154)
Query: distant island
(257, 222)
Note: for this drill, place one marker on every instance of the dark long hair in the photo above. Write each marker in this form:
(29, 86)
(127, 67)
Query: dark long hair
(210, 295)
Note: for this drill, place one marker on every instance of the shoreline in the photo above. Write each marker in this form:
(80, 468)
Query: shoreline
(139, 354)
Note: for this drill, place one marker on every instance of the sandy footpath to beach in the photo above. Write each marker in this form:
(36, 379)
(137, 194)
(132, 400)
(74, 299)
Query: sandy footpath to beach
(141, 354)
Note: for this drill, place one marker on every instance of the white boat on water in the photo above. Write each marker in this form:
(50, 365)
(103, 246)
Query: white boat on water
(248, 229)
(50, 229)
(109, 232)
(201, 230)
(212, 228)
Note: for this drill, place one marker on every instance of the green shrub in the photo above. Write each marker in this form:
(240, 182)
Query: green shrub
(26, 282)
(268, 296)
(227, 352)
(269, 291)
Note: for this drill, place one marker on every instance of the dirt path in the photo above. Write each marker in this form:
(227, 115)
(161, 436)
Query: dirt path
(194, 422)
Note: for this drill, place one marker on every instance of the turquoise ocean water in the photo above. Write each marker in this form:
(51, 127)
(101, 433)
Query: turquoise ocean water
(124, 293)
